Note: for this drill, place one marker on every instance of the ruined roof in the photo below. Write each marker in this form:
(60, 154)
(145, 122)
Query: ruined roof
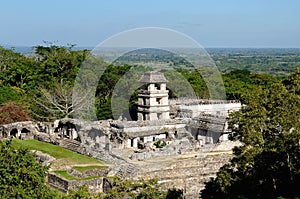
(153, 77)
(198, 101)
(145, 128)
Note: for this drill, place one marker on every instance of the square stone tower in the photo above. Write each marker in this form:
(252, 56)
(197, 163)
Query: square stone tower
(153, 99)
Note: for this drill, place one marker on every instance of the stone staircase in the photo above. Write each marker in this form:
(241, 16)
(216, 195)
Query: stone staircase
(119, 174)
(72, 145)
(188, 174)
(123, 171)
(130, 170)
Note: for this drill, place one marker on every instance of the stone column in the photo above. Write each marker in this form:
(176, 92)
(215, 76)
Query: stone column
(163, 86)
(135, 142)
(128, 143)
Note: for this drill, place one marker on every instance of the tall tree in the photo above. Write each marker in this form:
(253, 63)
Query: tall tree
(58, 63)
(55, 75)
(60, 101)
(267, 165)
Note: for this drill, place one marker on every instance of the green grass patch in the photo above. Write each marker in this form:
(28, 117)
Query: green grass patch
(85, 168)
(67, 176)
(63, 156)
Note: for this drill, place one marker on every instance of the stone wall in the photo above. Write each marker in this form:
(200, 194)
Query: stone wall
(43, 158)
(57, 182)
(22, 130)
(173, 148)
(87, 173)
(195, 107)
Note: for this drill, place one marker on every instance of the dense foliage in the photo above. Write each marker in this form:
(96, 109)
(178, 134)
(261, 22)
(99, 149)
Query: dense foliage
(239, 83)
(21, 176)
(267, 165)
(275, 61)
(29, 80)
(142, 189)
(43, 83)
(130, 189)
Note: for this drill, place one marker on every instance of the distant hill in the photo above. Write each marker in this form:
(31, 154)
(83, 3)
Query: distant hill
(25, 50)
(277, 61)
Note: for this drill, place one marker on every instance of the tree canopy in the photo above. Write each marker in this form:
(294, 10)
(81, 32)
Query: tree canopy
(267, 165)
(43, 83)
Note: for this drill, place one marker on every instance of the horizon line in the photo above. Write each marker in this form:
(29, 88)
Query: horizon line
(208, 47)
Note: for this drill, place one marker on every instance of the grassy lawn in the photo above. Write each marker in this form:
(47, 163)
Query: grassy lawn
(67, 176)
(85, 168)
(63, 156)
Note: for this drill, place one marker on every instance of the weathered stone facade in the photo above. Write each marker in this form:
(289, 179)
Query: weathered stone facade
(153, 97)
(188, 173)
(22, 130)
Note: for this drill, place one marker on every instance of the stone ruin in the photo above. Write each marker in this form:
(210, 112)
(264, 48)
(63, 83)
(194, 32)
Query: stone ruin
(95, 185)
(22, 130)
(194, 124)
(200, 121)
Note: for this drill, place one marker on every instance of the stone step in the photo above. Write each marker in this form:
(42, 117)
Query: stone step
(71, 145)
(188, 174)
(124, 170)
(183, 164)
(120, 174)
(130, 169)
(70, 142)
(189, 169)
(175, 175)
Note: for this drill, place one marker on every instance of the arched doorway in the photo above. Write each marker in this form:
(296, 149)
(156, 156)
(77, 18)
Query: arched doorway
(14, 132)
(25, 130)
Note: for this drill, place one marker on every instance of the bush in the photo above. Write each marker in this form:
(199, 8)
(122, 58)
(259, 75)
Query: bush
(11, 112)
(21, 176)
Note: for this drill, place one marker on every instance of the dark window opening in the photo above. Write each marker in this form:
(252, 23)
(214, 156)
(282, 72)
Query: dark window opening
(159, 115)
(157, 86)
(14, 132)
(25, 130)
(144, 116)
(131, 144)
(158, 100)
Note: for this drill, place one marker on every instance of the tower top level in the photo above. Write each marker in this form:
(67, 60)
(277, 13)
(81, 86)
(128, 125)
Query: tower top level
(153, 96)
(153, 77)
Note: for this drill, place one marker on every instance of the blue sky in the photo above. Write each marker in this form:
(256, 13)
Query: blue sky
(213, 23)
